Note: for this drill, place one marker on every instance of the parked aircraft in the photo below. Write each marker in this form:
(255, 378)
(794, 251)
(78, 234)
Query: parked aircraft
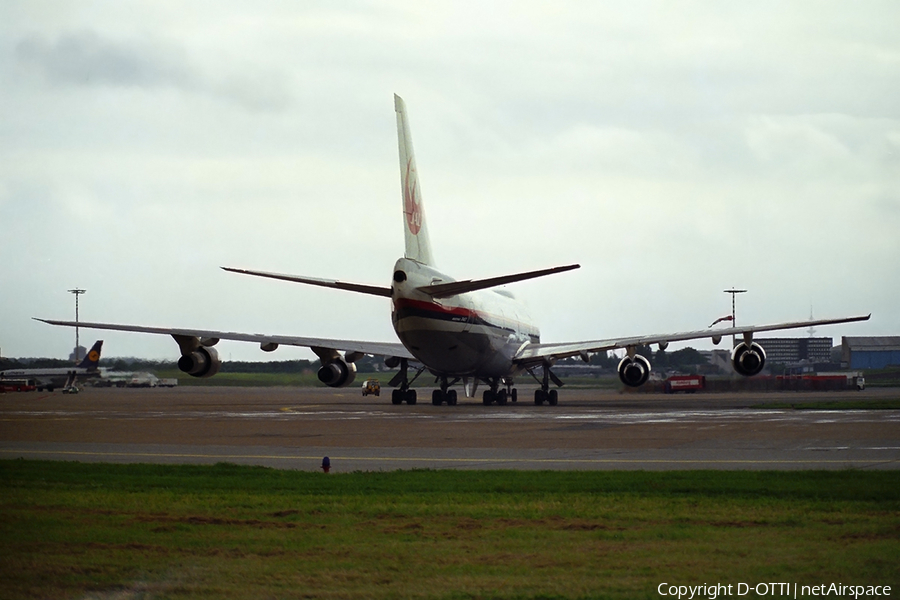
(462, 331)
(63, 377)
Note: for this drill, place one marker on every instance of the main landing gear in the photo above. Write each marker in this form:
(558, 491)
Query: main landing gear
(500, 396)
(445, 394)
(404, 393)
(438, 397)
(399, 396)
(545, 394)
(550, 397)
(500, 389)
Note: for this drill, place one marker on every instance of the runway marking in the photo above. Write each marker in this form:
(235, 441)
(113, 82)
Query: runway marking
(446, 460)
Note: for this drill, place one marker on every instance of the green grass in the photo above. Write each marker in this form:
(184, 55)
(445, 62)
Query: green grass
(72, 530)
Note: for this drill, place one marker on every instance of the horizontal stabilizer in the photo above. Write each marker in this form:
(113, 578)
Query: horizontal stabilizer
(453, 288)
(329, 283)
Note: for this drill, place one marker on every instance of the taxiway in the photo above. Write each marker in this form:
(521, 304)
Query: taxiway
(293, 428)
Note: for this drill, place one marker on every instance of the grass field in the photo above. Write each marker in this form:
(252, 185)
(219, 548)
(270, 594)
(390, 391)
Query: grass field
(71, 530)
(255, 379)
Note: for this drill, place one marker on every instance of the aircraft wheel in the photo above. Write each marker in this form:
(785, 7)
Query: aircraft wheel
(411, 397)
(488, 398)
(501, 397)
(554, 398)
(436, 398)
(538, 397)
(515, 395)
(451, 398)
(397, 397)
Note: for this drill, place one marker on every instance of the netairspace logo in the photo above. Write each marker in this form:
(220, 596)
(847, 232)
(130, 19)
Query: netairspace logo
(716, 590)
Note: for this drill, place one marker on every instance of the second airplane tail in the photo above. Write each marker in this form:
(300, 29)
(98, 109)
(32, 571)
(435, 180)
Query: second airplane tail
(92, 360)
(418, 245)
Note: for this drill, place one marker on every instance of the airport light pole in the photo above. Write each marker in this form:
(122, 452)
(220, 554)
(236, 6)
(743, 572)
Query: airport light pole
(77, 293)
(734, 292)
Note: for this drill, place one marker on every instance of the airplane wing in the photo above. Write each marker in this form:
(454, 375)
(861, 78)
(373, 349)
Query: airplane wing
(362, 288)
(388, 349)
(532, 354)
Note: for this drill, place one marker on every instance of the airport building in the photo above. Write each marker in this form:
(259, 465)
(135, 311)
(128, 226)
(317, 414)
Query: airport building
(788, 351)
(870, 352)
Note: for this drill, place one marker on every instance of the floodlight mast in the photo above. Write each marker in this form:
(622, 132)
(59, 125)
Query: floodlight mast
(77, 293)
(733, 293)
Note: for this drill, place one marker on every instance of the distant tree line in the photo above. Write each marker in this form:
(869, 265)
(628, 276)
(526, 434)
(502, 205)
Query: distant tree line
(679, 359)
(367, 364)
(279, 366)
(33, 363)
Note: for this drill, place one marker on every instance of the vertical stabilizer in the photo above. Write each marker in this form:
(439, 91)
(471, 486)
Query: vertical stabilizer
(92, 360)
(418, 246)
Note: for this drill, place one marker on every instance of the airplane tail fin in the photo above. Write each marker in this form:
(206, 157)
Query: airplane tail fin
(92, 360)
(418, 245)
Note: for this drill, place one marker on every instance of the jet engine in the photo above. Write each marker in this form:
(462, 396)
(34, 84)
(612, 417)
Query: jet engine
(634, 372)
(749, 359)
(337, 373)
(202, 362)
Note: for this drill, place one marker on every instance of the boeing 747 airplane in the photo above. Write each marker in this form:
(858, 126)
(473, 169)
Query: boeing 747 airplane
(462, 331)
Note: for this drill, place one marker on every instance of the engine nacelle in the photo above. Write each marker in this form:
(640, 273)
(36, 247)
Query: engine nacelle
(338, 373)
(748, 360)
(634, 372)
(202, 362)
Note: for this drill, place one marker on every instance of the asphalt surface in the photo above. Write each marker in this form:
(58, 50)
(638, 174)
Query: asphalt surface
(294, 428)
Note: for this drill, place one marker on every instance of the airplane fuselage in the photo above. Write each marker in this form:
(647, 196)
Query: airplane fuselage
(55, 376)
(473, 334)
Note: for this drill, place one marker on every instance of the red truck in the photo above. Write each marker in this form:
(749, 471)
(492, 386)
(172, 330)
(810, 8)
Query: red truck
(685, 383)
(17, 385)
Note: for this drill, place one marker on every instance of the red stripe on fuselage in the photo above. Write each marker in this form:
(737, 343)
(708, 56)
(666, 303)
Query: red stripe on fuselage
(432, 307)
(460, 314)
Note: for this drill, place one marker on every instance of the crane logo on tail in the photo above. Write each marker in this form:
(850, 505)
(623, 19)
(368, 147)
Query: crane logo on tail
(410, 203)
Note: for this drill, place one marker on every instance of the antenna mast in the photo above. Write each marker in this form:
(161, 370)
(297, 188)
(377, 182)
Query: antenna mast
(77, 293)
(733, 293)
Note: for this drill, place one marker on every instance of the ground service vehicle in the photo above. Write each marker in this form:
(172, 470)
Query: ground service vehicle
(18, 385)
(371, 386)
(685, 383)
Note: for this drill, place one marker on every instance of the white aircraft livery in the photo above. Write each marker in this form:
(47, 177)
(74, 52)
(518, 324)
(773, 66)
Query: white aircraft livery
(64, 377)
(462, 331)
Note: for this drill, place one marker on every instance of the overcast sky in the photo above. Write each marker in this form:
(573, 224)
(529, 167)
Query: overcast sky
(674, 149)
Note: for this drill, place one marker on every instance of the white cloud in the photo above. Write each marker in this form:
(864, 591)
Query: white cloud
(673, 150)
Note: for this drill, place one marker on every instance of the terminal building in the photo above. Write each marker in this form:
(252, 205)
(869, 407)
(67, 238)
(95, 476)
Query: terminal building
(788, 351)
(870, 352)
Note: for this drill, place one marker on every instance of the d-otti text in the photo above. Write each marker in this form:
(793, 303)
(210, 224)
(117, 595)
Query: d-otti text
(712, 591)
